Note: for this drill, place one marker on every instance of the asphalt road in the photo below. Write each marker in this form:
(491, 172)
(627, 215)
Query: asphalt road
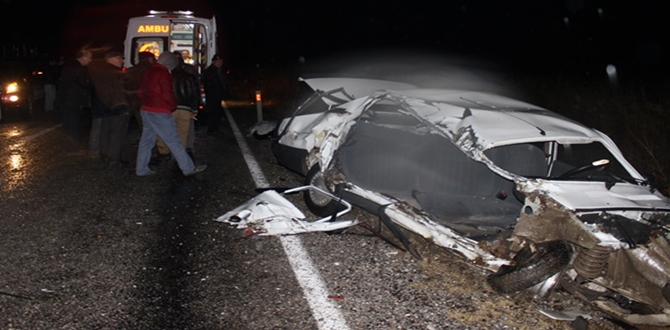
(88, 246)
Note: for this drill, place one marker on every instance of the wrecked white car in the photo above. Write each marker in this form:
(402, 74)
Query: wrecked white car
(536, 198)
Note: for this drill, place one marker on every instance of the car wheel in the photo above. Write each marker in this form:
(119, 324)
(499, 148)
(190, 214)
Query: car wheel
(318, 203)
(533, 268)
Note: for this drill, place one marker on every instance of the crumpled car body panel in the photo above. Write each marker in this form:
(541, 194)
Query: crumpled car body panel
(487, 177)
(270, 213)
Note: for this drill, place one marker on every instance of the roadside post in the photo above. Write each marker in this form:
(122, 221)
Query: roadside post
(259, 106)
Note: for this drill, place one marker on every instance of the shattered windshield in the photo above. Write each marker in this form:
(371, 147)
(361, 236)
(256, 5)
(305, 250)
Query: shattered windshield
(560, 161)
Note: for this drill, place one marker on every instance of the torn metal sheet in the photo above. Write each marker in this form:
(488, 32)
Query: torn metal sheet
(570, 315)
(269, 213)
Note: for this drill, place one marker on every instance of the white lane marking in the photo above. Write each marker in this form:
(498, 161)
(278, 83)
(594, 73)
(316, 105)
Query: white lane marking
(38, 134)
(327, 315)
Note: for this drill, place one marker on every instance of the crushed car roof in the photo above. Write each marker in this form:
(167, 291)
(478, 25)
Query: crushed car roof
(356, 87)
(494, 119)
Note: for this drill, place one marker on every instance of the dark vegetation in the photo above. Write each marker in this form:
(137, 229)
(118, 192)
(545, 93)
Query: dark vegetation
(634, 114)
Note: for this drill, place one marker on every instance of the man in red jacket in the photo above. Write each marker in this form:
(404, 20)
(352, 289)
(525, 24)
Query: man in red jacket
(158, 103)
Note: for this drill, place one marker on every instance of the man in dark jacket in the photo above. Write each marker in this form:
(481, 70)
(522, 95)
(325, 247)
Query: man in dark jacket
(216, 91)
(158, 103)
(132, 78)
(187, 93)
(74, 95)
(112, 105)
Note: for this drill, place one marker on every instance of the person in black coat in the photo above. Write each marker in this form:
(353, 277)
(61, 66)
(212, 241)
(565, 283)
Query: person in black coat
(187, 94)
(213, 80)
(74, 95)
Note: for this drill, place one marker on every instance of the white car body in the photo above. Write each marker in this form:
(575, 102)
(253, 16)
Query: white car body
(615, 223)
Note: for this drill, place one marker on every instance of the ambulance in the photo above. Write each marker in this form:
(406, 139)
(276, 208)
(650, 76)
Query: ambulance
(162, 31)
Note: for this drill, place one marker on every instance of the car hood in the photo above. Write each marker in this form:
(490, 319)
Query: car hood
(592, 196)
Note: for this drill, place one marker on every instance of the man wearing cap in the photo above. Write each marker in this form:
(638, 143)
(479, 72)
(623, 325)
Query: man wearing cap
(213, 79)
(158, 103)
(110, 104)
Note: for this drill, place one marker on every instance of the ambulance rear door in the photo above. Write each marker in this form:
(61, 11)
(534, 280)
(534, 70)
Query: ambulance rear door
(193, 37)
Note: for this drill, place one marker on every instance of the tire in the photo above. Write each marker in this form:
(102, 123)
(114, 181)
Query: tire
(537, 267)
(318, 203)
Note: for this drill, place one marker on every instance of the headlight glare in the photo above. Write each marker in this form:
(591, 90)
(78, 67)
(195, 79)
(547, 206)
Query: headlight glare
(12, 88)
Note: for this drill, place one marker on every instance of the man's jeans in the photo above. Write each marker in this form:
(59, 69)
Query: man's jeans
(160, 125)
(183, 121)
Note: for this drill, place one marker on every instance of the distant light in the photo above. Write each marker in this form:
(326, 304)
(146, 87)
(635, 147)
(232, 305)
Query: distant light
(566, 20)
(612, 75)
(258, 96)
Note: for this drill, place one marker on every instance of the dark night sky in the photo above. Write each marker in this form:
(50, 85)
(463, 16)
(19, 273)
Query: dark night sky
(573, 34)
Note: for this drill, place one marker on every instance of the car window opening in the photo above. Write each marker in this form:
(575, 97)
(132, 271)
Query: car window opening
(553, 160)
(425, 170)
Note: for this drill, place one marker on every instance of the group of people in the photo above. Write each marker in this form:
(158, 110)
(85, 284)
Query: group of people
(163, 94)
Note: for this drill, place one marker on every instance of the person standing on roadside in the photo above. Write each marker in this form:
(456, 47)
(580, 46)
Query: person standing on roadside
(187, 94)
(132, 78)
(51, 74)
(158, 103)
(216, 91)
(74, 95)
(112, 105)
